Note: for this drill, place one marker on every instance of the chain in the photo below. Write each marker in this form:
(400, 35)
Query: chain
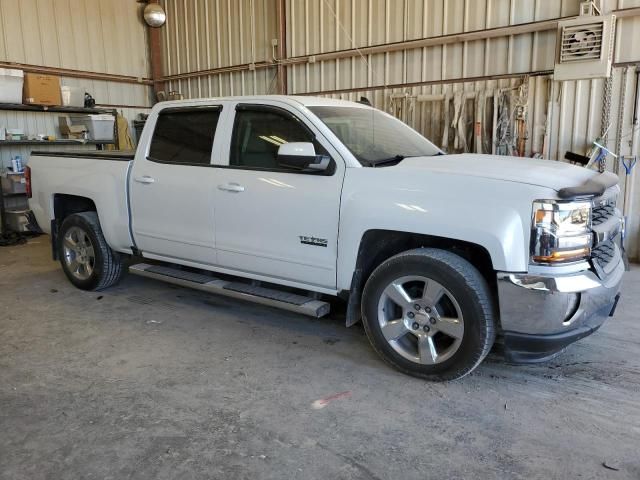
(623, 91)
(606, 118)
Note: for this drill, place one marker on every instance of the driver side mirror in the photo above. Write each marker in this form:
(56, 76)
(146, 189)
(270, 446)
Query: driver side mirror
(302, 156)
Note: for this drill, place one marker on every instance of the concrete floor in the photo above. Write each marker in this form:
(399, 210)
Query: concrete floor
(146, 380)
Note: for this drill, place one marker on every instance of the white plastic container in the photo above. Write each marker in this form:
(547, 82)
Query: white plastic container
(72, 96)
(16, 164)
(100, 126)
(11, 85)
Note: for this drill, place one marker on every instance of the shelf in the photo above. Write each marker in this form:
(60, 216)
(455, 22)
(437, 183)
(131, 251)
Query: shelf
(54, 142)
(40, 108)
(14, 194)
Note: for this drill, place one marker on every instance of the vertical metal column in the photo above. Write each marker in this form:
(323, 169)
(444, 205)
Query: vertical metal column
(282, 46)
(156, 57)
(3, 212)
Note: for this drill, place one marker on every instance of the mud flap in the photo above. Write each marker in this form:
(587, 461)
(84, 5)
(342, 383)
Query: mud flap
(354, 313)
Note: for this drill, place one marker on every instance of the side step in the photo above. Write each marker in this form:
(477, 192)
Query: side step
(263, 296)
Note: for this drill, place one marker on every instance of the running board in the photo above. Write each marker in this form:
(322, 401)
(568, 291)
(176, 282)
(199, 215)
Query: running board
(242, 291)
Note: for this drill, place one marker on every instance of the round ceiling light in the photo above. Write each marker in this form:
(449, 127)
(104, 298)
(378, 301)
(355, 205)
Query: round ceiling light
(154, 15)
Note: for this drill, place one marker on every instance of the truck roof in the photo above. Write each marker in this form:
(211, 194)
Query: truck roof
(295, 100)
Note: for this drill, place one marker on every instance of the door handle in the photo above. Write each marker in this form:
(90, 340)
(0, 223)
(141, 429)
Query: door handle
(145, 179)
(231, 187)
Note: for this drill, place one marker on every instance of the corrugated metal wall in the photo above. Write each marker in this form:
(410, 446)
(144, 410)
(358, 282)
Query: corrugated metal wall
(88, 35)
(347, 24)
(410, 83)
(212, 34)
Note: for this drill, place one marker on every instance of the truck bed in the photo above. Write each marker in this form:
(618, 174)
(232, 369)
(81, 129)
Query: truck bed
(123, 155)
(98, 176)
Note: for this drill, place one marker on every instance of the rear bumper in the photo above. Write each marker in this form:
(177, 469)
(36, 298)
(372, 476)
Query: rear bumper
(542, 314)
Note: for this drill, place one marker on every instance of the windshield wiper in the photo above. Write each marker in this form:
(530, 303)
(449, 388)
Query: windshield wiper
(398, 158)
(384, 161)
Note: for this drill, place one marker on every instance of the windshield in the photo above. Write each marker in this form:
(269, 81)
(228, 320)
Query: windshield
(373, 136)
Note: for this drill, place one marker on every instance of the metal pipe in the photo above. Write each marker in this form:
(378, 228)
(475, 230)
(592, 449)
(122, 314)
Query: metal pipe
(216, 71)
(155, 54)
(197, 42)
(576, 113)
(630, 180)
(620, 122)
(207, 45)
(187, 43)
(230, 50)
(546, 142)
(282, 46)
(626, 12)
(113, 105)
(633, 63)
(635, 101)
(432, 82)
(510, 41)
(67, 72)
(218, 44)
(496, 102)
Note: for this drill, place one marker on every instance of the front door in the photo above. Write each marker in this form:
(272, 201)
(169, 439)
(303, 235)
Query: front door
(172, 187)
(271, 221)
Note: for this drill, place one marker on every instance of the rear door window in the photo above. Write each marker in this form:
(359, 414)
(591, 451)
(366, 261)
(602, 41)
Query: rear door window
(185, 135)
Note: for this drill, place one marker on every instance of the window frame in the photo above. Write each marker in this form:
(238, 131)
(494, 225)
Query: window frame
(269, 108)
(186, 109)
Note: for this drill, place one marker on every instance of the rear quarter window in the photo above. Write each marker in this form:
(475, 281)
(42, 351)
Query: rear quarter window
(184, 136)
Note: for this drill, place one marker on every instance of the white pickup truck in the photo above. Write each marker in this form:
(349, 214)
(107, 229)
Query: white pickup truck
(287, 200)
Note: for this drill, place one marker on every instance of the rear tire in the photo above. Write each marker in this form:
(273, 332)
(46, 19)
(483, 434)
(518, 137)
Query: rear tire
(86, 258)
(429, 313)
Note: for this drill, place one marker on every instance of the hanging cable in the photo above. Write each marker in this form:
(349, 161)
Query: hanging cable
(606, 118)
(346, 33)
(620, 125)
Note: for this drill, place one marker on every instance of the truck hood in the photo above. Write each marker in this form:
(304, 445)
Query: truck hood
(543, 173)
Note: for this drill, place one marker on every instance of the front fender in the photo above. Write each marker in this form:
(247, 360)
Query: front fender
(490, 213)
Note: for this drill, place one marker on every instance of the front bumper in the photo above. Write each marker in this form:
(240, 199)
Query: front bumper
(541, 314)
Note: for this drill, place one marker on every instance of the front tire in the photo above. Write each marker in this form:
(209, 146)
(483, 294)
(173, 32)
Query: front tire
(429, 313)
(86, 258)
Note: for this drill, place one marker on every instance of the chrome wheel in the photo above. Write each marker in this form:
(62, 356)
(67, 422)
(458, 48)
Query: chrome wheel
(420, 319)
(78, 252)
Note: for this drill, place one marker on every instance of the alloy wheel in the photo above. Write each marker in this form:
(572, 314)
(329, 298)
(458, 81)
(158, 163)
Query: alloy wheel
(79, 254)
(420, 319)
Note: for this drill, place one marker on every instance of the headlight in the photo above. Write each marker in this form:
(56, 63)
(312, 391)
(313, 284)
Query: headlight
(561, 231)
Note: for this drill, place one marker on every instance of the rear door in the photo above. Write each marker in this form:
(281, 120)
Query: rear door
(172, 186)
(271, 221)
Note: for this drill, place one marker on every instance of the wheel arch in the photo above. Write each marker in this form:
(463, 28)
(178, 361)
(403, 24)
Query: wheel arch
(386, 243)
(65, 205)
(102, 266)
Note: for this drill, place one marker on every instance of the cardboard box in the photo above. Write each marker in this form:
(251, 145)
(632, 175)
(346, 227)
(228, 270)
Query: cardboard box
(41, 90)
(13, 183)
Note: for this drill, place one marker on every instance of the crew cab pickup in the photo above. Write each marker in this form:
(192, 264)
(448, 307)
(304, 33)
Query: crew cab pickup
(287, 201)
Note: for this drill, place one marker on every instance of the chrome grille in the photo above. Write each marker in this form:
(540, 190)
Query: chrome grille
(602, 213)
(605, 234)
(603, 253)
